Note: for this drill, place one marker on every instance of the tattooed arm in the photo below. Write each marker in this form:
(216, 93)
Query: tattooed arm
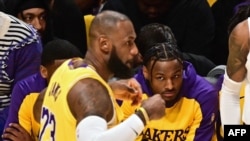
(238, 50)
(235, 74)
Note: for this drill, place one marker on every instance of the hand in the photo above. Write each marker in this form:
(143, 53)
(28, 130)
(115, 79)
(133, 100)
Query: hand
(155, 107)
(15, 132)
(127, 89)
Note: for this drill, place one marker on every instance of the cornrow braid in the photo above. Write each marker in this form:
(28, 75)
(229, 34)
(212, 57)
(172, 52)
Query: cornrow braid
(162, 51)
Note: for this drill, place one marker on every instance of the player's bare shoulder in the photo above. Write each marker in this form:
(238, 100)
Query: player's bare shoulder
(239, 37)
(90, 97)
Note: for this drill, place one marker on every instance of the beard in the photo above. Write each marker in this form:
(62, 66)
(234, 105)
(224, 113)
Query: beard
(119, 69)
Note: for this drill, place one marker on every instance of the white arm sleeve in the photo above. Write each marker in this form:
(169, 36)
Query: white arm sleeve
(94, 128)
(246, 111)
(230, 101)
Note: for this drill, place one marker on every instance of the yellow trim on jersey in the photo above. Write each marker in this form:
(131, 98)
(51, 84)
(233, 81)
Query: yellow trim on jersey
(211, 2)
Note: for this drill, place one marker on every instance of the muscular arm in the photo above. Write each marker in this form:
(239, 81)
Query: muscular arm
(90, 97)
(235, 74)
(238, 50)
(91, 105)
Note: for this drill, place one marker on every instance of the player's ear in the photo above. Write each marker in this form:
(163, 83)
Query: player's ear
(43, 71)
(104, 44)
(145, 72)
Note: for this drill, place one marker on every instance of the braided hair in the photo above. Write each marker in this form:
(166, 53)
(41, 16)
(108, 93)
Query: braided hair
(162, 52)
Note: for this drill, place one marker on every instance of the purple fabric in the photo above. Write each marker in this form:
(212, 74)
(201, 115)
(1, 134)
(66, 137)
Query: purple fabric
(21, 63)
(144, 84)
(24, 62)
(33, 83)
(207, 96)
(3, 117)
(219, 82)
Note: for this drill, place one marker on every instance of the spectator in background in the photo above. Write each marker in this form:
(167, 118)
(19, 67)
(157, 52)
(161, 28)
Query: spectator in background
(191, 101)
(20, 54)
(190, 20)
(54, 54)
(67, 18)
(36, 13)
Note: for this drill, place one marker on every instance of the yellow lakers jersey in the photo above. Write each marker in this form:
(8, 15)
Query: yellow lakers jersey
(179, 123)
(57, 121)
(26, 117)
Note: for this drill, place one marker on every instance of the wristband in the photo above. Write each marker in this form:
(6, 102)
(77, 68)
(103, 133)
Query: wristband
(145, 114)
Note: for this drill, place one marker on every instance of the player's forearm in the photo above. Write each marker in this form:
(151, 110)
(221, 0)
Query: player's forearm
(94, 128)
